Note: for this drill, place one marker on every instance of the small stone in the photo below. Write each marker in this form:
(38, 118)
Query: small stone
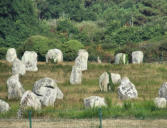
(163, 91)
(94, 101)
(137, 57)
(98, 60)
(120, 58)
(160, 102)
(55, 54)
(11, 55)
(4, 106)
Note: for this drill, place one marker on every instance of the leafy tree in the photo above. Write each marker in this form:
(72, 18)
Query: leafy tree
(70, 49)
(40, 45)
(18, 20)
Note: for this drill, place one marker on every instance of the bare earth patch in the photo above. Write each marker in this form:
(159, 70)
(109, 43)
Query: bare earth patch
(83, 123)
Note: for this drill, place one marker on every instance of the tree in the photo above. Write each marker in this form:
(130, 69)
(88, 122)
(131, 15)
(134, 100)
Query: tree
(18, 20)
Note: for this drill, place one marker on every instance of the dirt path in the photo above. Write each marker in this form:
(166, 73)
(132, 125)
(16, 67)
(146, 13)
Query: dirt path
(88, 123)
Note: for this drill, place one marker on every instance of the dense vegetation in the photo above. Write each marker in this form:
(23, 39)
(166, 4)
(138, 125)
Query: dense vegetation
(101, 25)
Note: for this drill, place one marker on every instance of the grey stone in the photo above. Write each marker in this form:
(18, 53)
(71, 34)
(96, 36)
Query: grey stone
(76, 75)
(15, 89)
(98, 60)
(47, 91)
(104, 80)
(94, 101)
(137, 57)
(11, 55)
(120, 58)
(82, 60)
(29, 100)
(30, 60)
(4, 106)
(55, 54)
(163, 91)
(127, 89)
(18, 67)
(160, 102)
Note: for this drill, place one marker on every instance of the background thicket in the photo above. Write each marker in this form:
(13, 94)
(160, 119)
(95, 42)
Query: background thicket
(110, 24)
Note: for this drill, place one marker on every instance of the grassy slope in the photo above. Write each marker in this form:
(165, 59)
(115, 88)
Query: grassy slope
(147, 78)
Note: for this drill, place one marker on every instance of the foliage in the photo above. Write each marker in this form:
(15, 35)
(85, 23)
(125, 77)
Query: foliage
(18, 20)
(111, 24)
(3, 51)
(70, 49)
(40, 45)
(110, 84)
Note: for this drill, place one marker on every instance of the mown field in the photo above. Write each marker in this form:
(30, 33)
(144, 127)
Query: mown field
(147, 78)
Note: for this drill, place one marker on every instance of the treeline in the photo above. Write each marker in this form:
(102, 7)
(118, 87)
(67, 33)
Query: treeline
(99, 25)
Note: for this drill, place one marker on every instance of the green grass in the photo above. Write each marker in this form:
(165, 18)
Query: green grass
(147, 78)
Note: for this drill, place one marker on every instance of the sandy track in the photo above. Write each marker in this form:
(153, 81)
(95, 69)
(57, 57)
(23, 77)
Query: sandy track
(84, 123)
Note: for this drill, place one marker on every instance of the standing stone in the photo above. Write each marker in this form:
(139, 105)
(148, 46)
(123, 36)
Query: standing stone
(30, 60)
(94, 101)
(104, 80)
(76, 75)
(98, 60)
(44, 82)
(18, 67)
(163, 91)
(29, 100)
(4, 106)
(47, 91)
(55, 54)
(11, 55)
(160, 102)
(47, 96)
(127, 90)
(15, 89)
(137, 57)
(82, 60)
(120, 58)
(116, 78)
(60, 94)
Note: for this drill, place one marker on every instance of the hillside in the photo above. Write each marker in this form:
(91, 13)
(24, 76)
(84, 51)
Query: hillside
(100, 25)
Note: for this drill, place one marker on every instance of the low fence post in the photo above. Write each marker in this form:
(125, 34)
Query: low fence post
(100, 117)
(29, 115)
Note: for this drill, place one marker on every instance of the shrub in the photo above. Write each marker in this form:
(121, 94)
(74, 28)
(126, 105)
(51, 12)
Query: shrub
(66, 26)
(40, 45)
(89, 28)
(3, 52)
(97, 50)
(70, 49)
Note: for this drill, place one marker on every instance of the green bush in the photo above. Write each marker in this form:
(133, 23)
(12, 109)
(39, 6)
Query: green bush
(66, 26)
(3, 51)
(40, 45)
(70, 49)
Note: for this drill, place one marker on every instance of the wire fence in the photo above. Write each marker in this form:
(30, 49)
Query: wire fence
(81, 123)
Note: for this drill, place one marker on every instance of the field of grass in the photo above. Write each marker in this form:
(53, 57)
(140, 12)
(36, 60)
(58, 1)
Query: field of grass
(147, 78)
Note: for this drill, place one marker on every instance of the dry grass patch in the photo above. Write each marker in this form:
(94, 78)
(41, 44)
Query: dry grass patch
(146, 77)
